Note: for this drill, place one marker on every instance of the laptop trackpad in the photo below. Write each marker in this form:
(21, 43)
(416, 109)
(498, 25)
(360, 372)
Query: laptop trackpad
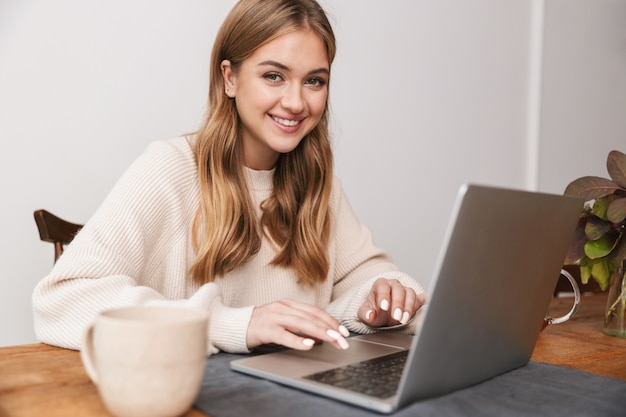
(402, 341)
(360, 350)
(322, 357)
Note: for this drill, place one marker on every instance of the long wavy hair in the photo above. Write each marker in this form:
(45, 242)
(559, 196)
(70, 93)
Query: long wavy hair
(296, 216)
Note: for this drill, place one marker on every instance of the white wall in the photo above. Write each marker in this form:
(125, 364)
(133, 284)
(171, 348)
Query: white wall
(426, 95)
(584, 95)
(84, 87)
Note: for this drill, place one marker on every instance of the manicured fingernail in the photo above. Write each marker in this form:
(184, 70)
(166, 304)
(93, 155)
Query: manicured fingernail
(345, 332)
(339, 338)
(368, 314)
(333, 334)
(308, 342)
(397, 314)
(384, 305)
(405, 317)
(343, 343)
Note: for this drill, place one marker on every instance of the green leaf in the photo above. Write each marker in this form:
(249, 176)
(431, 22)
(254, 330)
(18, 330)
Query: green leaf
(596, 228)
(585, 273)
(616, 165)
(616, 211)
(600, 206)
(601, 273)
(591, 187)
(599, 248)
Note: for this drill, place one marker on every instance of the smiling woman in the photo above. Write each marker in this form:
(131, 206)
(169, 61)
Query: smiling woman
(281, 92)
(243, 218)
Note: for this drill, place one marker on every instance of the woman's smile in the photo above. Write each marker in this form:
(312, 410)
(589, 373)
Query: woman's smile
(287, 125)
(286, 122)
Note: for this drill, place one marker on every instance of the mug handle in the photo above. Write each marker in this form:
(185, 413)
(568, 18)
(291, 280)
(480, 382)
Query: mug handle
(87, 354)
(572, 311)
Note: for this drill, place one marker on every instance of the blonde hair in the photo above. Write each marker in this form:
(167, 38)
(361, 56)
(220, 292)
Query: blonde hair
(296, 217)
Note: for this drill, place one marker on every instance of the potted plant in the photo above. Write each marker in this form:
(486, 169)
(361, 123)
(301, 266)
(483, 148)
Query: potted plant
(599, 245)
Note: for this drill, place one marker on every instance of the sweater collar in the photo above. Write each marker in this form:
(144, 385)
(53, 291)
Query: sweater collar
(262, 180)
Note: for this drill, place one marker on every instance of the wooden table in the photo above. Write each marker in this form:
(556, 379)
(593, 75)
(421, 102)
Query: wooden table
(44, 381)
(579, 343)
(41, 380)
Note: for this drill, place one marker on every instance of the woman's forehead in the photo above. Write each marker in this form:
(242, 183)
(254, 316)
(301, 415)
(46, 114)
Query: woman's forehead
(302, 49)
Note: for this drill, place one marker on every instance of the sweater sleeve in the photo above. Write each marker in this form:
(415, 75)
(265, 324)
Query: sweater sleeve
(358, 263)
(64, 309)
(136, 249)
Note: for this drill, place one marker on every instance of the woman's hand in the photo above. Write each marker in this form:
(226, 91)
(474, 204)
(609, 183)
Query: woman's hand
(389, 303)
(295, 325)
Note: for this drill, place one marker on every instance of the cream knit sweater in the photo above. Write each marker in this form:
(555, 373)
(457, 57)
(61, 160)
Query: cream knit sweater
(136, 249)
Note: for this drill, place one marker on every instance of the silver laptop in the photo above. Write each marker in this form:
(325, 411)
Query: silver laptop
(493, 282)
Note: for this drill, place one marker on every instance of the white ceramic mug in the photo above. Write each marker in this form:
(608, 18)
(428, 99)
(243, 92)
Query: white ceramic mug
(576, 290)
(147, 361)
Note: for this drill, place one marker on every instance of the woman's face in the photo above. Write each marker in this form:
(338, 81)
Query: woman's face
(280, 92)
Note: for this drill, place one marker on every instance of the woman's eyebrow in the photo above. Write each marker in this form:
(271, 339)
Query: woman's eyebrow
(284, 67)
(274, 64)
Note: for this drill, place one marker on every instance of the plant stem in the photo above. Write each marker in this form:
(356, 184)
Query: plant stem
(618, 307)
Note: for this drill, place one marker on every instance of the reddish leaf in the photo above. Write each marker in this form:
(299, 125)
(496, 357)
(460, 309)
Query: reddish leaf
(616, 165)
(616, 212)
(591, 187)
(618, 254)
(577, 247)
(596, 228)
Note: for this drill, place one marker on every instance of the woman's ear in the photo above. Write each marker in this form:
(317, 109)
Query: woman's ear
(229, 78)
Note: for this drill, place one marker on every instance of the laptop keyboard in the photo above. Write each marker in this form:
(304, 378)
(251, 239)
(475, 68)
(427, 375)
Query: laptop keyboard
(377, 377)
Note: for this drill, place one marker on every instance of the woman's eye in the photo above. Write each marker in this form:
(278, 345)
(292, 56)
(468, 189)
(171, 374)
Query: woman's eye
(273, 77)
(316, 82)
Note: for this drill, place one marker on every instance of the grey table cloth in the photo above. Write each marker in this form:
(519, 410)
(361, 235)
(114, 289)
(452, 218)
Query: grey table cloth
(537, 389)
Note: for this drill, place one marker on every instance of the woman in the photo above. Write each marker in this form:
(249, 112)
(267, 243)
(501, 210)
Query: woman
(243, 218)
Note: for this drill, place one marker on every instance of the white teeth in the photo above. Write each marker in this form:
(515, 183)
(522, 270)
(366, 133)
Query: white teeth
(286, 122)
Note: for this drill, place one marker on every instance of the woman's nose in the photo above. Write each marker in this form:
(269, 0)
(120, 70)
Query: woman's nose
(293, 99)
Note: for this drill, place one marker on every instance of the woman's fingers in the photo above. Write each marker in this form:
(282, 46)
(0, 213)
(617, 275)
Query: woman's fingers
(295, 325)
(299, 325)
(390, 303)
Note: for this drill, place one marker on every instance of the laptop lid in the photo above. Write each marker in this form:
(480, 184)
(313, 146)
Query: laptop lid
(493, 282)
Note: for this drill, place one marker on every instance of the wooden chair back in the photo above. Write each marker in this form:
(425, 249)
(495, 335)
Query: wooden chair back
(55, 230)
